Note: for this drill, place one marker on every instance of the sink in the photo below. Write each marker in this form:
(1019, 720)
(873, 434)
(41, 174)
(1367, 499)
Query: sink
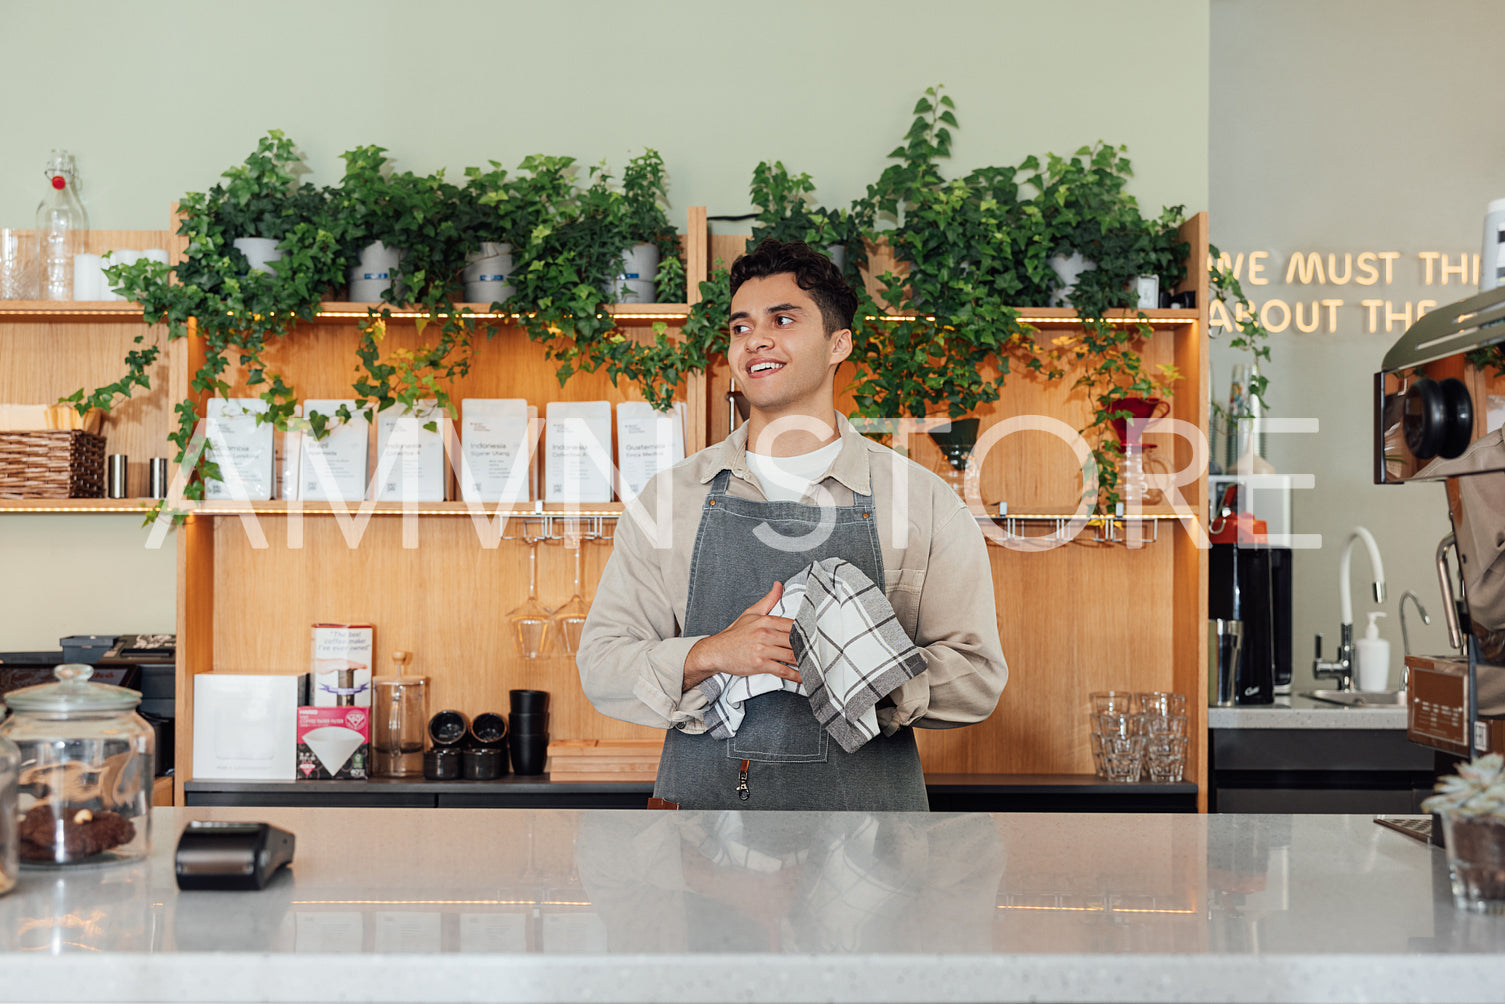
(1360, 698)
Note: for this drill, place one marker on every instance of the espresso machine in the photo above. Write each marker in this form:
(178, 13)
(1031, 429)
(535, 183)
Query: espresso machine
(1431, 424)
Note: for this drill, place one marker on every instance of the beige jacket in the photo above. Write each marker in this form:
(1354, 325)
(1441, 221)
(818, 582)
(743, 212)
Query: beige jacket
(936, 570)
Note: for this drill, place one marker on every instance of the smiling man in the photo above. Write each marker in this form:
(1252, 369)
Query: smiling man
(696, 610)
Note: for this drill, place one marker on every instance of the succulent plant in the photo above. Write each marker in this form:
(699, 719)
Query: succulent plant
(1478, 789)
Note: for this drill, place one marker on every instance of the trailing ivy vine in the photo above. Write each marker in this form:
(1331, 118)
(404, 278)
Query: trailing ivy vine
(942, 336)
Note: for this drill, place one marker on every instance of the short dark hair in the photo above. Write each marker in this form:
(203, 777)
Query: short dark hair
(813, 272)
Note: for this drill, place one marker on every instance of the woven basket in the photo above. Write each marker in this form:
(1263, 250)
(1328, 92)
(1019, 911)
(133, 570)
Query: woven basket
(52, 465)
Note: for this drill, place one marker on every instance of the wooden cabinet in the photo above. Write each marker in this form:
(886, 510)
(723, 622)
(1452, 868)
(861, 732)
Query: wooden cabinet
(435, 580)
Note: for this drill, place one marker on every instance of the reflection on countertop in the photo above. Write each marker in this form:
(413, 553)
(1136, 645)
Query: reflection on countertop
(606, 905)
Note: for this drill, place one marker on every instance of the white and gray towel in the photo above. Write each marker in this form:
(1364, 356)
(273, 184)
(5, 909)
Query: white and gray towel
(848, 646)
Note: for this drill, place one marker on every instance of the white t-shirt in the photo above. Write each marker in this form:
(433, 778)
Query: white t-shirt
(786, 479)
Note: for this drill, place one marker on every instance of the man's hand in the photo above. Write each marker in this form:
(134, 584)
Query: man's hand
(753, 643)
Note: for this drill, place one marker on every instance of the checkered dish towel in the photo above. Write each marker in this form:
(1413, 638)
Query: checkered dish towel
(848, 647)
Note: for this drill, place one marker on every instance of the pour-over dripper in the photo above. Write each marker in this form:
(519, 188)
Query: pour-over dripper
(1141, 410)
(956, 441)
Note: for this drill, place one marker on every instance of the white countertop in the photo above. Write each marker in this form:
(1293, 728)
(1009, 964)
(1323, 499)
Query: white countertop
(1297, 712)
(625, 905)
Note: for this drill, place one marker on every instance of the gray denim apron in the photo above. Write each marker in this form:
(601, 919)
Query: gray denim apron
(792, 763)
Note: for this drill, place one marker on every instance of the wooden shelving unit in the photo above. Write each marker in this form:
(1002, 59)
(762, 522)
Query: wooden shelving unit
(1074, 619)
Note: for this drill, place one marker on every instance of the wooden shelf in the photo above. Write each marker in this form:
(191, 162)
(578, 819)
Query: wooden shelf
(65, 310)
(244, 602)
(1068, 317)
(333, 311)
(628, 313)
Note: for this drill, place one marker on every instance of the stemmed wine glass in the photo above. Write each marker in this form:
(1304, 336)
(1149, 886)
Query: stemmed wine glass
(569, 619)
(530, 621)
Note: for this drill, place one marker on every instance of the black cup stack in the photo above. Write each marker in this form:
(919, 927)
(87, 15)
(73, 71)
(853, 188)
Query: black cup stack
(528, 737)
(447, 730)
(486, 748)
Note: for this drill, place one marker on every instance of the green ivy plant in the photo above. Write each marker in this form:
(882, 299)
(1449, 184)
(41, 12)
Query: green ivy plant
(570, 259)
(262, 197)
(972, 249)
(1249, 333)
(957, 284)
(1082, 207)
(238, 313)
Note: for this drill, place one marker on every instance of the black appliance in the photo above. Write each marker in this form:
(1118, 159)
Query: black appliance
(1251, 584)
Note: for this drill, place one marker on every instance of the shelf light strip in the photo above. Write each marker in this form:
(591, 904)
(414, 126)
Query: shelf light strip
(398, 315)
(1063, 319)
(528, 514)
(6, 506)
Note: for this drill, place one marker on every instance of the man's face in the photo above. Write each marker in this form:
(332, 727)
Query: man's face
(779, 351)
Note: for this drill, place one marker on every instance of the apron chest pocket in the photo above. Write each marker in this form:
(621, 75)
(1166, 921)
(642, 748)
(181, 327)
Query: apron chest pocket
(779, 728)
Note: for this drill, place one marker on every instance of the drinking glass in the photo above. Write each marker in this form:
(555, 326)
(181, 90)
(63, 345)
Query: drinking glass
(530, 621)
(16, 280)
(1165, 725)
(1123, 757)
(1112, 700)
(1098, 765)
(1165, 758)
(1118, 725)
(569, 619)
(1160, 702)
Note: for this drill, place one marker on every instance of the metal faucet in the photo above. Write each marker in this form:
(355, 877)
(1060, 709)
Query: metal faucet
(1341, 668)
(1405, 636)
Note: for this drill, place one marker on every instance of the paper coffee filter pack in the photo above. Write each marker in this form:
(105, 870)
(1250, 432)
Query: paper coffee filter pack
(333, 745)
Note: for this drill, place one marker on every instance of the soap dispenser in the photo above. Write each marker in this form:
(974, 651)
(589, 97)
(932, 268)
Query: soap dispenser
(1372, 658)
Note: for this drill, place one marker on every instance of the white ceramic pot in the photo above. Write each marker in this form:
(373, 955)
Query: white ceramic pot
(635, 282)
(259, 251)
(487, 272)
(1147, 292)
(1068, 269)
(99, 284)
(373, 275)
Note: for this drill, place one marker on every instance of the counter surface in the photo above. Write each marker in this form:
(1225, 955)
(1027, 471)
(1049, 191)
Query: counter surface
(623, 905)
(1297, 712)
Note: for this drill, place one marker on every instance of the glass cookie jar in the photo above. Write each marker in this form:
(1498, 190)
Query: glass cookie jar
(84, 784)
(10, 760)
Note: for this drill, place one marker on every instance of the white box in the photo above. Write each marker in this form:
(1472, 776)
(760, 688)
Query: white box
(334, 468)
(577, 452)
(246, 727)
(498, 442)
(648, 441)
(242, 447)
(409, 456)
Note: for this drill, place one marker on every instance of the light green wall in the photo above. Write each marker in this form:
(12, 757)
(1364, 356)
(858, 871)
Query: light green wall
(159, 96)
(156, 97)
(62, 575)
